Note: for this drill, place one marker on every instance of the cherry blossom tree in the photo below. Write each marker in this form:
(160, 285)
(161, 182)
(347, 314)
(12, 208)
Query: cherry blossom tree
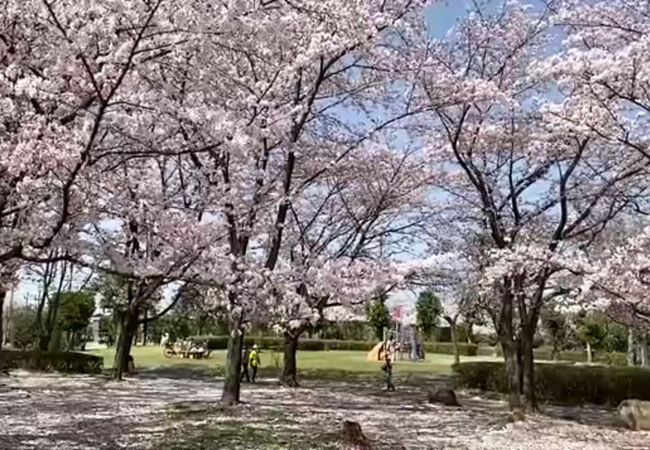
(341, 235)
(540, 188)
(69, 82)
(257, 102)
(619, 280)
(604, 65)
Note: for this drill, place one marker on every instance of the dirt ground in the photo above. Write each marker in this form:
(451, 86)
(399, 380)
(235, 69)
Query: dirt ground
(155, 412)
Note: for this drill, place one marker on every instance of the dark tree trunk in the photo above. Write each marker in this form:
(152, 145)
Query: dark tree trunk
(145, 326)
(513, 373)
(290, 368)
(510, 348)
(232, 382)
(528, 367)
(45, 341)
(126, 328)
(3, 294)
(529, 317)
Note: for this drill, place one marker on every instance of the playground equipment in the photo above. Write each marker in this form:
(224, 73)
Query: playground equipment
(402, 340)
(378, 352)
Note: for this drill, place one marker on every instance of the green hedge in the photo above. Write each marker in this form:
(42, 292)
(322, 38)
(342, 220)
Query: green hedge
(447, 348)
(49, 361)
(564, 384)
(221, 342)
(545, 353)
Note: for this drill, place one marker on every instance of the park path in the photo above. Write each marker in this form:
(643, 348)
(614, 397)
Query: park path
(51, 411)
(74, 412)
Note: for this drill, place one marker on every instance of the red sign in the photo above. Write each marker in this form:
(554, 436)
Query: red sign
(398, 312)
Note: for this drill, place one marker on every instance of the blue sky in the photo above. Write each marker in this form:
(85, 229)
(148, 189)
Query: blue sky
(444, 15)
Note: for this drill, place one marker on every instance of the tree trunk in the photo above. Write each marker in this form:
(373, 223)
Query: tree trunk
(43, 338)
(643, 344)
(414, 345)
(510, 348)
(528, 367)
(45, 341)
(512, 374)
(54, 344)
(589, 357)
(290, 368)
(232, 382)
(630, 346)
(126, 327)
(454, 338)
(3, 294)
(145, 326)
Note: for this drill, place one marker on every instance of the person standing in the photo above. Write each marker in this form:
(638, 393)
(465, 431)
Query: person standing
(244, 365)
(164, 340)
(388, 370)
(254, 361)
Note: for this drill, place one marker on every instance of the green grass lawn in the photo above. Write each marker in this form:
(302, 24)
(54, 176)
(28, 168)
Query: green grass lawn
(311, 364)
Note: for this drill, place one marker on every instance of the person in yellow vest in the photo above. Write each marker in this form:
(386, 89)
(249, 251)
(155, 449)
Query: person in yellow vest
(254, 361)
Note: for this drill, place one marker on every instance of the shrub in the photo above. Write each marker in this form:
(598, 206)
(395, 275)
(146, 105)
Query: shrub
(22, 326)
(49, 361)
(447, 348)
(545, 353)
(484, 350)
(564, 384)
(213, 342)
(488, 339)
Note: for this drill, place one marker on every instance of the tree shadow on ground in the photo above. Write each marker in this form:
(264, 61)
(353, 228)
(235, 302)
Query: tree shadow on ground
(177, 372)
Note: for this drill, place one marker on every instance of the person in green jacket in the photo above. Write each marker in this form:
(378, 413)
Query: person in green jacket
(254, 361)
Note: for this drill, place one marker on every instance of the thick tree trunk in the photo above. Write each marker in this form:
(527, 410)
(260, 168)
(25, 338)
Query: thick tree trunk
(232, 382)
(3, 294)
(510, 348)
(290, 368)
(454, 338)
(56, 337)
(630, 346)
(126, 327)
(528, 367)
(512, 373)
(45, 340)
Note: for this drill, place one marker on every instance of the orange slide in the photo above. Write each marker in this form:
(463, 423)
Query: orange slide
(377, 353)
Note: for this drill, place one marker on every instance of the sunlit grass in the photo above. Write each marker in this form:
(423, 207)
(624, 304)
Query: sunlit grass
(311, 364)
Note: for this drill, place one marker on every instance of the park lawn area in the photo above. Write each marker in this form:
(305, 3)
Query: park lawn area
(329, 365)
